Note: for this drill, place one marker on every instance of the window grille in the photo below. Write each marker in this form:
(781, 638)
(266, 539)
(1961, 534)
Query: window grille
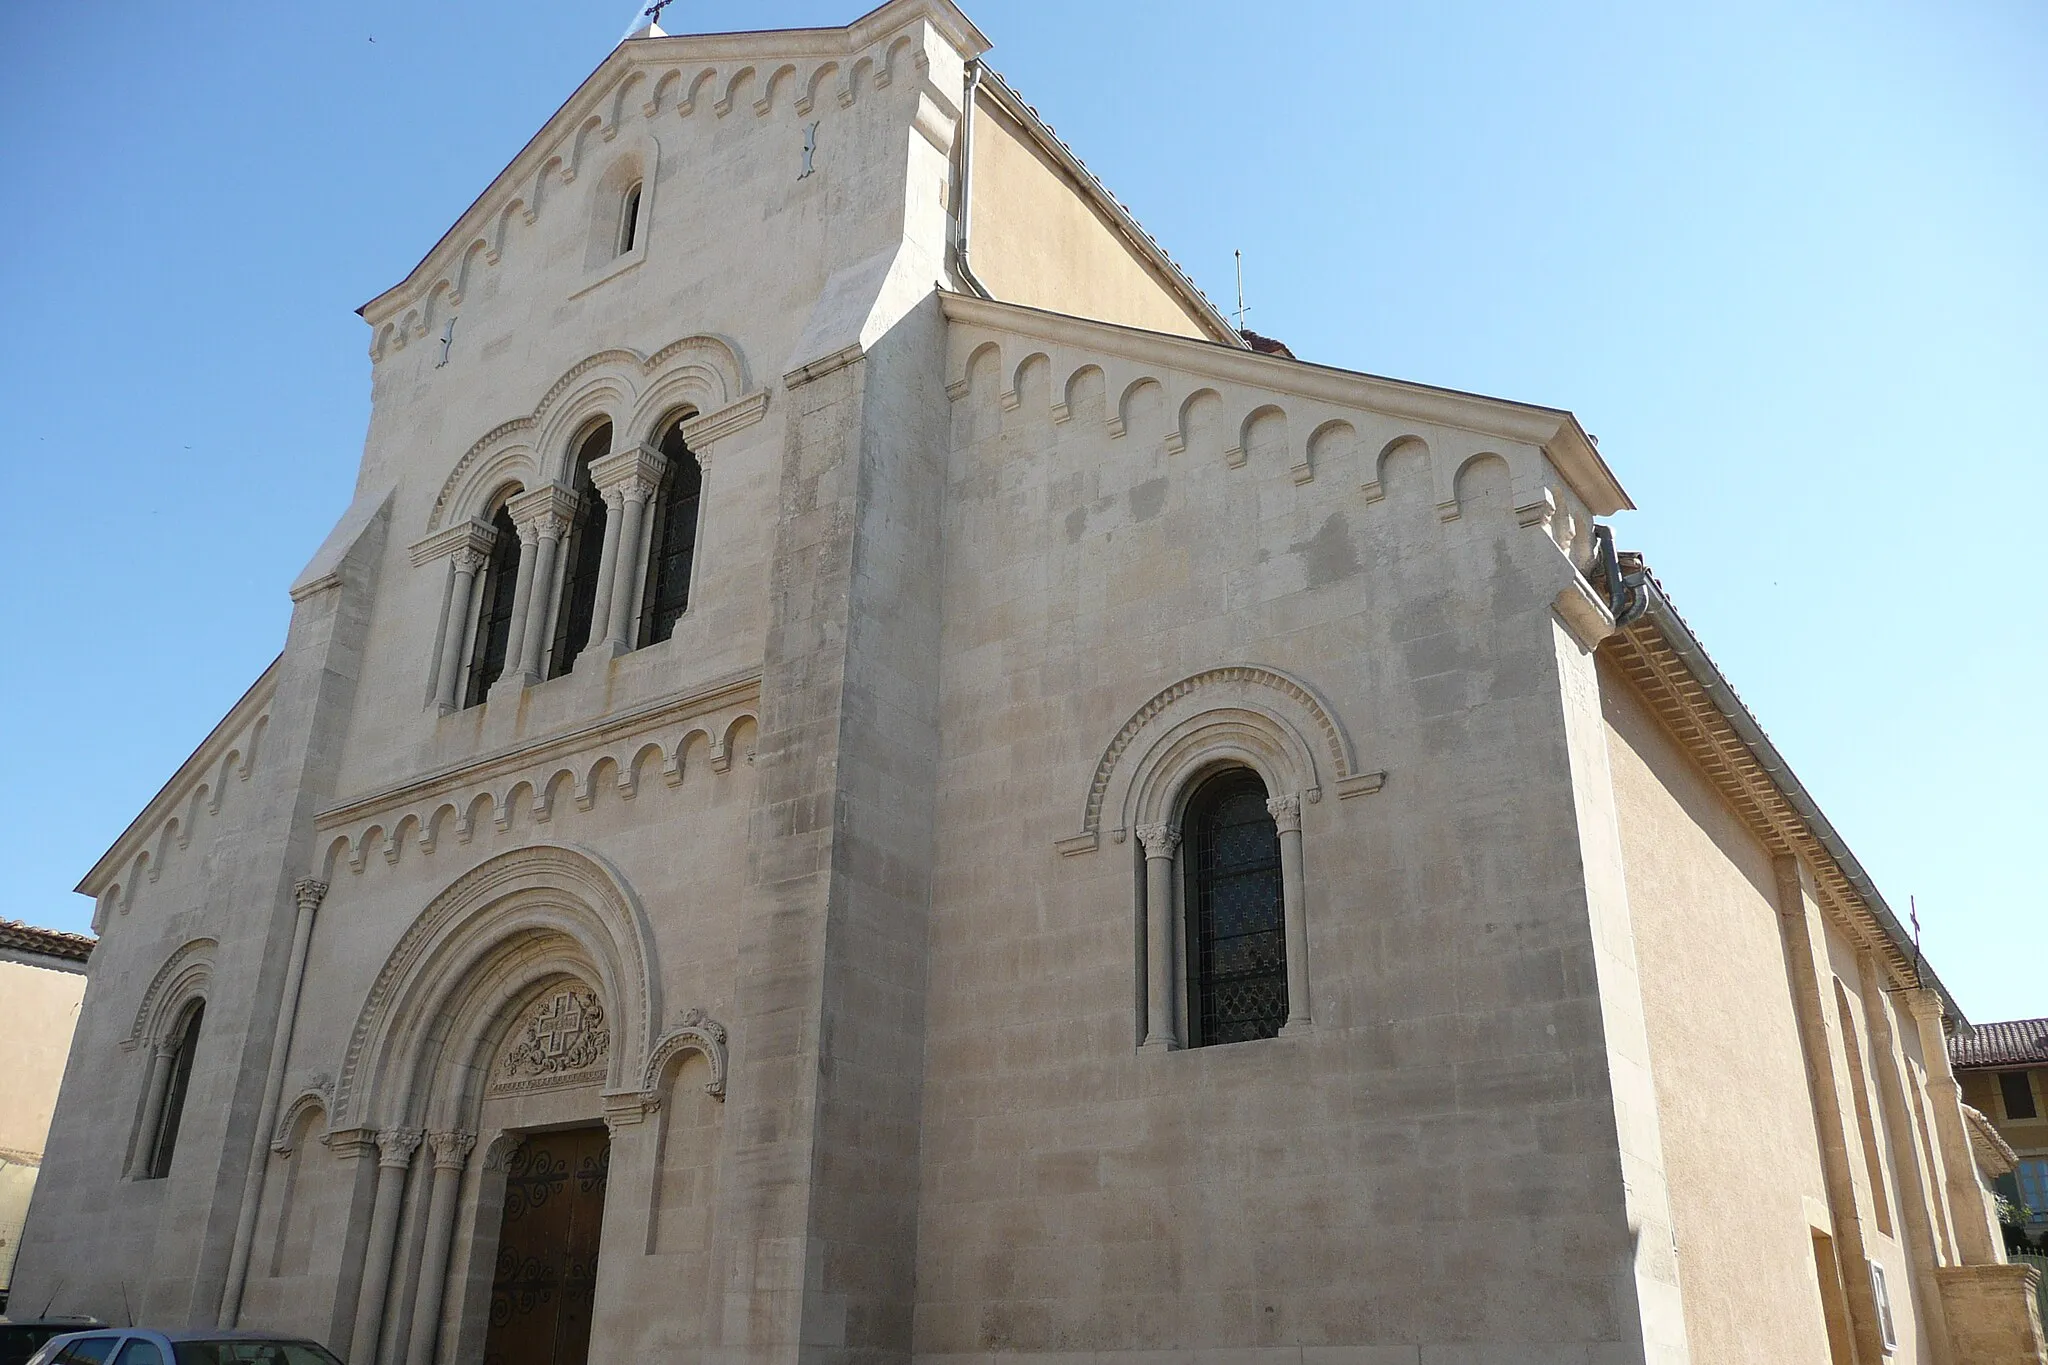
(583, 560)
(1237, 935)
(672, 542)
(494, 623)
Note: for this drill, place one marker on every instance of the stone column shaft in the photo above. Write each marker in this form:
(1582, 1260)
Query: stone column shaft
(451, 1155)
(1286, 812)
(152, 1110)
(607, 568)
(1161, 842)
(539, 600)
(307, 893)
(522, 603)
(460, 600)
(619, 636)
(394, 1154)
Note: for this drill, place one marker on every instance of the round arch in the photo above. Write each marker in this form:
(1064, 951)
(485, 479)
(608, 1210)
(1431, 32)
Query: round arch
(500, 932)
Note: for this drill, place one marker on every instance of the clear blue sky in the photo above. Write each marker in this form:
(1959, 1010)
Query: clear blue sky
(1786, 260)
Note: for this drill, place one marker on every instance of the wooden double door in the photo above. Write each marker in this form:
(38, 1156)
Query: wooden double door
(546, 1275)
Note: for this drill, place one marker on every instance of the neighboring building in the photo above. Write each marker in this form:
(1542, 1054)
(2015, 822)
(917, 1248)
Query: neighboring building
(2004, 1073)
(42, 979)
(862, 754)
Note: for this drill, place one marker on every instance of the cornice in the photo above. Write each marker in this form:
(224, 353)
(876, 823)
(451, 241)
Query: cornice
(733, 690)
(1655, 653)
(598, 105)
(1556, 431)
(704, 429)
(175, 795)
(469, 535)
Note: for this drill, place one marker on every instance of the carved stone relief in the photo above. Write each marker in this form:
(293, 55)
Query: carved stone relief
(565, 1039)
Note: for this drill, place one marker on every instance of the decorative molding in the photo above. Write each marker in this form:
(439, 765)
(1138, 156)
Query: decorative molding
(694, 1031)
(167, 822)
(473, 535)
(451, 1149)
(633, 472)
(548, 511)
(185, 973)
(318, 1093)
(1335, 744)
(1452, 427)
(827, 364)
(701, 370)
(1286, 812)
(620, 752)
(702, 430)
(603, 917)
(503, 1150)
(350, 1143)
(565, 1041)
(1159, 841)
(395, 1147)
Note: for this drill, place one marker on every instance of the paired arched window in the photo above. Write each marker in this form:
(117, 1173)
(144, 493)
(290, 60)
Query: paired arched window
(494, 622)
(173, 1079)
(672, 538)
(1236, 926)
(583, 557)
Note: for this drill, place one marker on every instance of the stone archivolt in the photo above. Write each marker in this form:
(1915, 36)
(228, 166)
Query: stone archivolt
(185, 973)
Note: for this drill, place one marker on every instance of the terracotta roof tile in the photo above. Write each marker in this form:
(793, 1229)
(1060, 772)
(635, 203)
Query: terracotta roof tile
(2016, 1042)
(27, 938)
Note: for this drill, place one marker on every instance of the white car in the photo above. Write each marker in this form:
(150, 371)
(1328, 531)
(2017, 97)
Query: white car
(139, 1346)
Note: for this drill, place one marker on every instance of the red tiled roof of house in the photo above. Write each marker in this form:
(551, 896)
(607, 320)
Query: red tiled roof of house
(2016, 1042)
(27, 938)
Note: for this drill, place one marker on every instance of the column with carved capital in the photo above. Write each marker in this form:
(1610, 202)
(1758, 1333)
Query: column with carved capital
(1286, 813)
(395, 1147)
(1161, 843)
(633, 475)
(307, 893)
(549, 510)
(522, 600)
(451, 1155)
(466, 548)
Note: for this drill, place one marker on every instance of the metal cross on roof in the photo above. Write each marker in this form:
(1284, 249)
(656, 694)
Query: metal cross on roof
(653, 12)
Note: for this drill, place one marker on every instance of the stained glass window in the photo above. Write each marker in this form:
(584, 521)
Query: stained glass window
(1237, 936)
(672, 540)
(582, 558)
(494, 623)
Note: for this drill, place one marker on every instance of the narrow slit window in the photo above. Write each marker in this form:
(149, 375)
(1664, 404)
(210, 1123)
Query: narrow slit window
(672, 542)
(629, 220)
(1237, 933)
(494, 621)
(583, 560)
(177, 1081)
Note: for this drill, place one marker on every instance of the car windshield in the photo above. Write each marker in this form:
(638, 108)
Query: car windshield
(18, 1341)
(252, 1353)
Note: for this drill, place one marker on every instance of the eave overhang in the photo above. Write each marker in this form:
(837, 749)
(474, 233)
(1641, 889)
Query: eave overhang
(1668, 666)
(1555, 431)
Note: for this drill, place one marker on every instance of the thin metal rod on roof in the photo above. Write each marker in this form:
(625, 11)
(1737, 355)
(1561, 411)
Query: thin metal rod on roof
(1240, 291)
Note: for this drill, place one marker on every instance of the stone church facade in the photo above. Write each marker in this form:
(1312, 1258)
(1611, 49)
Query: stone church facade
(887, 787)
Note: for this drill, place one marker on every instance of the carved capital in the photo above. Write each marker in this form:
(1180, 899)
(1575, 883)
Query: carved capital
(468, 535)
(634, 473)
(395, 1147)
(503, 1148)
(469, 560)
(308, 892)
(451, 1150)
(544, 512)
(1160, 841)
(1286, 812)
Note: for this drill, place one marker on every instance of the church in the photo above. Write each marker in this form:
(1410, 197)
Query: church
(892, 790)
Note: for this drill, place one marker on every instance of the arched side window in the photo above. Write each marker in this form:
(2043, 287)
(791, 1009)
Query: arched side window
(629, 219)
(583, 558)
(174, 1080)
(672, 539)
(1236, 925)
(494, 618)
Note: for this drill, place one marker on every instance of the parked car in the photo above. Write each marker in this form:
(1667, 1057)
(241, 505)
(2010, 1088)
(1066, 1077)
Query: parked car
(139, 1346)
(20, 1338)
